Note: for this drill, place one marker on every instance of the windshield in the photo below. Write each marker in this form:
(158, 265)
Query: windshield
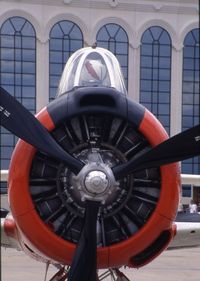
(92, 67)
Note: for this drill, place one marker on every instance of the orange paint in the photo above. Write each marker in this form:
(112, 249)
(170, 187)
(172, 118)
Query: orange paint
(10, 227)
(40, 237)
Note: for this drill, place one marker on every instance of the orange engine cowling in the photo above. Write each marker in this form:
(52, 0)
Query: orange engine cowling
(135, 222)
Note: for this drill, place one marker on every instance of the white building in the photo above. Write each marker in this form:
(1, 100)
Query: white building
(156, 42)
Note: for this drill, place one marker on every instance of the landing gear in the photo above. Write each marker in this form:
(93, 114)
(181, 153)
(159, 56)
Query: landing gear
(115, 275)
(61, 275)
(111, 274)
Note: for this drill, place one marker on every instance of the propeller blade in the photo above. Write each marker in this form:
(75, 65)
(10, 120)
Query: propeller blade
(84, 264)
(19, 121)
(177, 148)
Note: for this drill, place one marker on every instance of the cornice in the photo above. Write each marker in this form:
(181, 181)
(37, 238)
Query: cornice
(159, 6)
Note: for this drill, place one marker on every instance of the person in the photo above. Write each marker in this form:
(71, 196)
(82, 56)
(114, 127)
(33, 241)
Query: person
(193, 207)
(94, 73)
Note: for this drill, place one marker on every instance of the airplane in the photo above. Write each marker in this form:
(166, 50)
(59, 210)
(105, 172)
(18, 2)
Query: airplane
(94, 181)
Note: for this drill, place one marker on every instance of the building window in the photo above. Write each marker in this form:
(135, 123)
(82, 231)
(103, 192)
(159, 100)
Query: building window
(114, 38)
(3, 187)
(155, 73)
(65, 38)
(190, 95)
(17, 72)
(186, 190)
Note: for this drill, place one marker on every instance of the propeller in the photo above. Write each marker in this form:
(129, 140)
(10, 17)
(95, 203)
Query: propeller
(19, 121)
(84, 263)
(177, 148)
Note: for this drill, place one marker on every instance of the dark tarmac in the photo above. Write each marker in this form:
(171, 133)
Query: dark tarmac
(172, 265)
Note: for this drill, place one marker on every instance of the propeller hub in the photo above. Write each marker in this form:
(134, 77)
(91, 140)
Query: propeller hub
(96, 182)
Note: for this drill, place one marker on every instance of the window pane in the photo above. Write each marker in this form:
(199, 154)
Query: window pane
(28, 92)
(146, 61)
(164, 74)
(114, 38)
(28, 43)
(165, 62)
(164, 97)
(146, 50)
(146, 85)
(165, 50)
(28, 67)
(190, 95)
(189, 63)
(65, 38)
(56, 57)
(164, 86)
(145, 97)
(28, 55)
(188, 121)
(155, 68)
(156, 32)
(186, 191)
(17, 72)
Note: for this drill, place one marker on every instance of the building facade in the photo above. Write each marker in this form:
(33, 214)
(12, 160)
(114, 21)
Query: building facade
(156, 43)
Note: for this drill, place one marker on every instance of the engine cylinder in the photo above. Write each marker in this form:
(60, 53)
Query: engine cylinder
(135, 221)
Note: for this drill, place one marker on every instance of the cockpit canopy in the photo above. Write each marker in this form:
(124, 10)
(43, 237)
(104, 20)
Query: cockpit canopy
(92, 67)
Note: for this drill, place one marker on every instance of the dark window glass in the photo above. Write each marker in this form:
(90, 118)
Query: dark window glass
(155, 73)
(186, 190)
(190, 95)
(17, 72)
(65, 38)
(3, 187)
(114, 38)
